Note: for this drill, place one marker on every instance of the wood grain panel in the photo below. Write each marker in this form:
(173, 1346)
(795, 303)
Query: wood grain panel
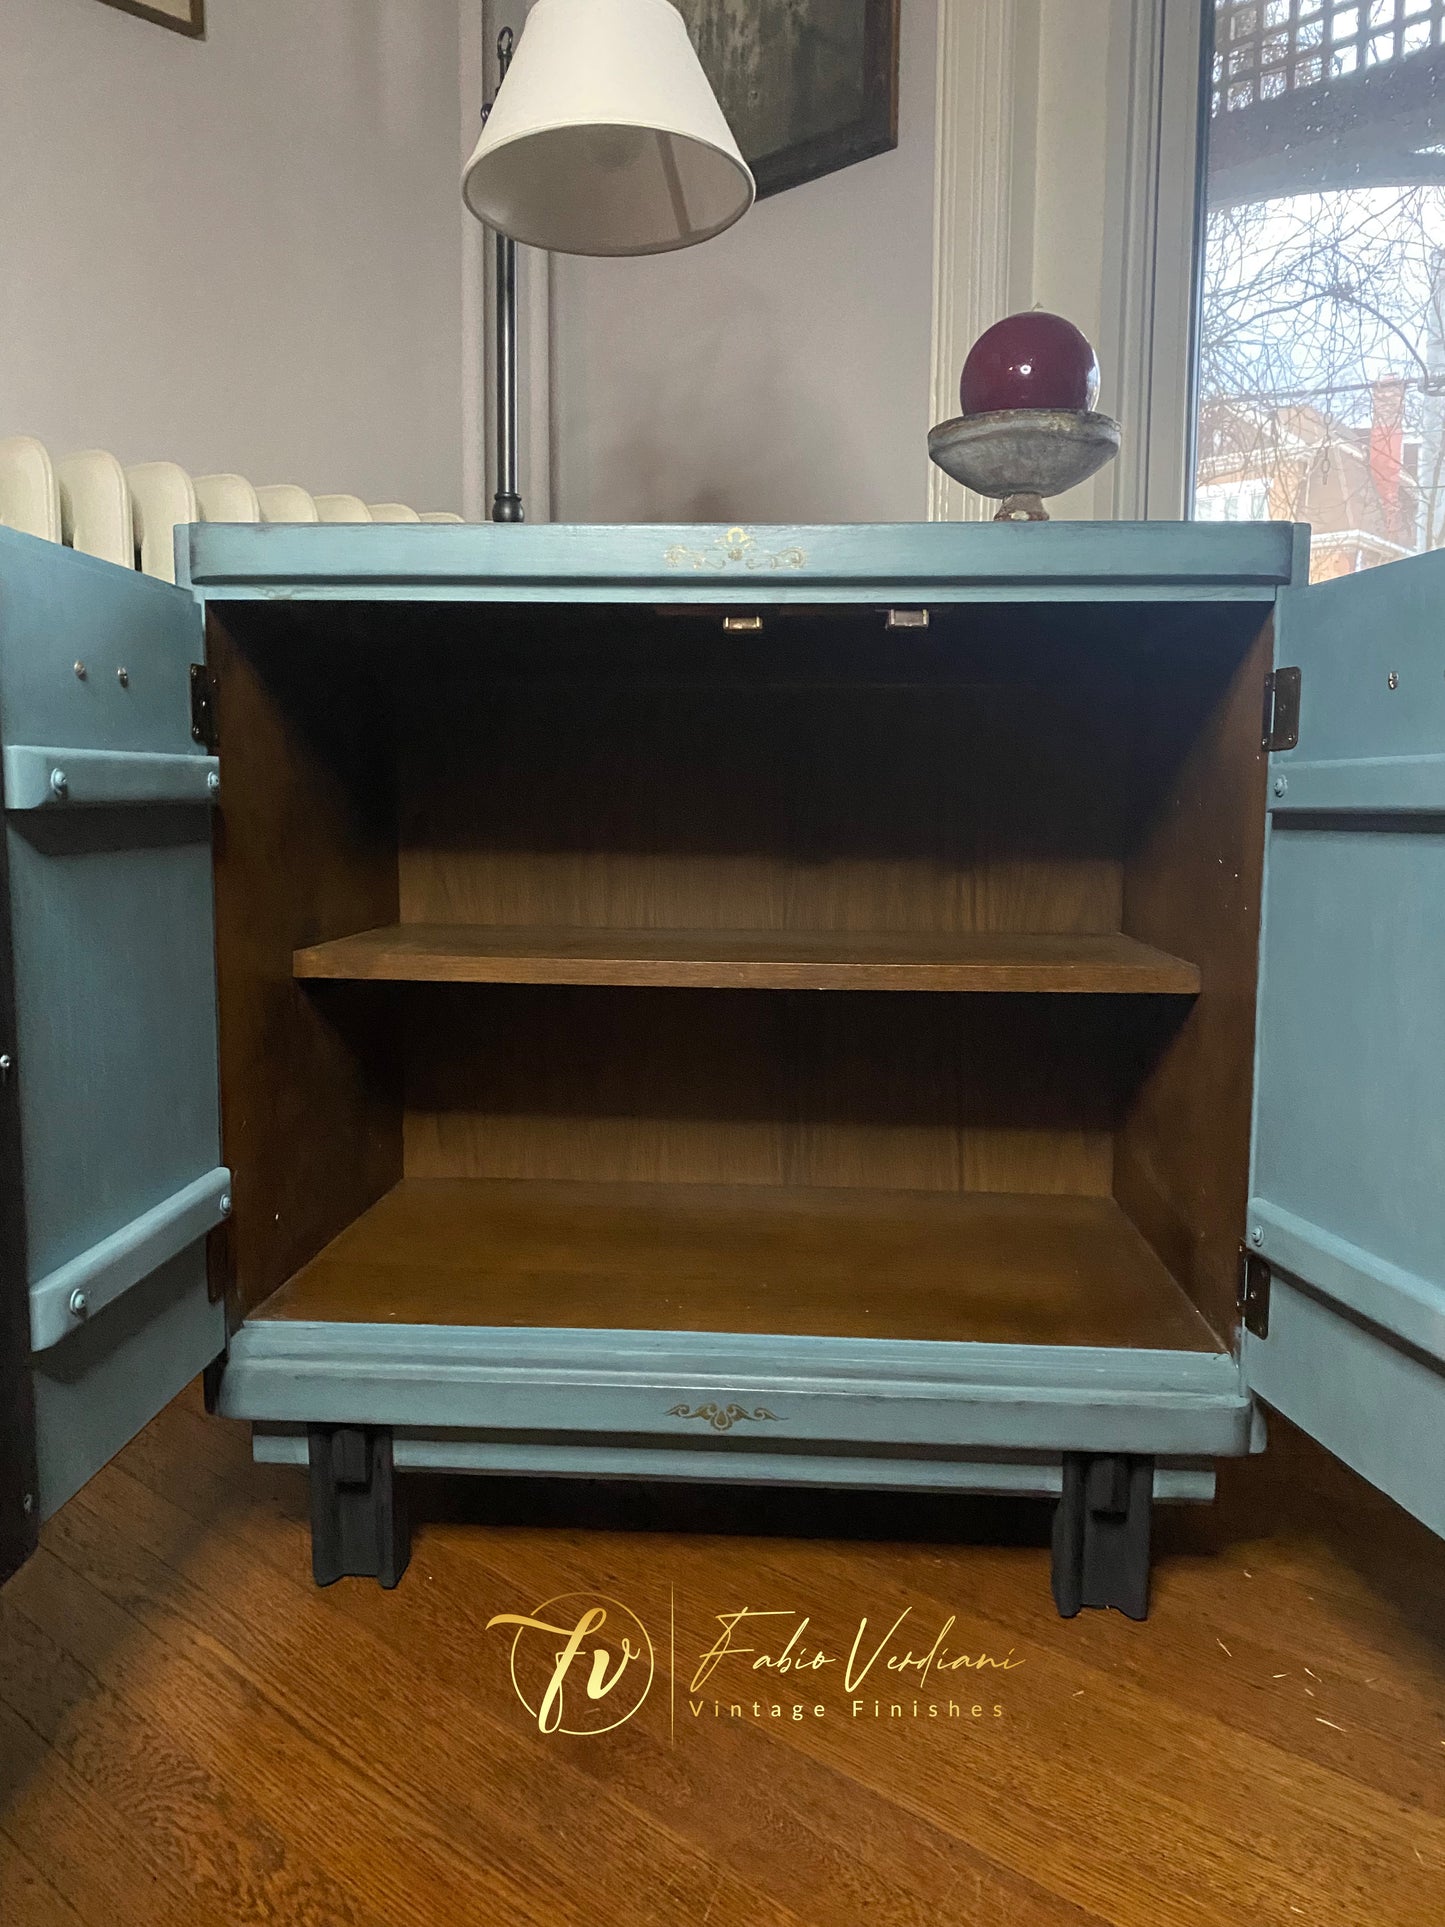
(735, 1258)
(1015, 1093)
(751, 960)
(305, 850)
(1192, 883)
(621, 804)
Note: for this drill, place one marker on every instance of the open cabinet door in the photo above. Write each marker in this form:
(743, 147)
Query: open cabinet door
(1345, 1333)
(110, 1168)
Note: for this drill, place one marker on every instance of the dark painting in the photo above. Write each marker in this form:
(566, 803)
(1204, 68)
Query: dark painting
(807, 85)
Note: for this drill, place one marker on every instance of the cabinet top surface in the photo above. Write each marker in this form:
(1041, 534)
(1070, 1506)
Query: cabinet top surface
(935, 562)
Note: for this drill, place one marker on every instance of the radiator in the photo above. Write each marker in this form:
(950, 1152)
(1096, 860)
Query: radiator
(129, 516)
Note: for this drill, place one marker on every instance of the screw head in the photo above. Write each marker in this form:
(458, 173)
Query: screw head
(79, 1303)
(59, 782)
(225, 1204)
(122, 676)
(80, 672)
(1281, 784)
(213, 783)
(27, 1504)
(1256, 1237)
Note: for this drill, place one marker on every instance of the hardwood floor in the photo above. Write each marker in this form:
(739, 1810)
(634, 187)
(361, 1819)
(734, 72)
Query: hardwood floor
(189, 1732)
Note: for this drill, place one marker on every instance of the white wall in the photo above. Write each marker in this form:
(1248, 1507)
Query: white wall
(778, 373)
(237, 253)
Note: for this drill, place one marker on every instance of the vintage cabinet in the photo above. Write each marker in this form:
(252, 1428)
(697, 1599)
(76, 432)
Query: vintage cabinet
(859, 1006)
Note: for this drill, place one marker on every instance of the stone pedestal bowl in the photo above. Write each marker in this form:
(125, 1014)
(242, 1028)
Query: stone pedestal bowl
(1020, 455)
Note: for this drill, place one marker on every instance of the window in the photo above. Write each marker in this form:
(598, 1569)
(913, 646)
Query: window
(1322, 324)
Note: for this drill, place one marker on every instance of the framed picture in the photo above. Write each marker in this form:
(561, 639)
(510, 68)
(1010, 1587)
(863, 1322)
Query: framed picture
(808, 86)
(184, 16)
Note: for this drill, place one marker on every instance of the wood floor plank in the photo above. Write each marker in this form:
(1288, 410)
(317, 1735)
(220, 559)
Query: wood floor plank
(58, 1821)
(888, 1864)
(26, 1895)
(467, 1812)
(1187, 1770)
(202, 1837)
(442, 1614)
(198, 1725)
(489, 1749)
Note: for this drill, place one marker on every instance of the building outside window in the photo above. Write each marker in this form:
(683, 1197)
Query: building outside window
(1322, 320)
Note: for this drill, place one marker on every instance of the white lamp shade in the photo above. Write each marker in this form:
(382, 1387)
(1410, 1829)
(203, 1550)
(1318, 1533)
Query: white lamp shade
(605, 137)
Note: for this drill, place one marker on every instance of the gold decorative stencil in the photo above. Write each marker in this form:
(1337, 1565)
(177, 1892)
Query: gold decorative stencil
(722, 1418)
(733, 548)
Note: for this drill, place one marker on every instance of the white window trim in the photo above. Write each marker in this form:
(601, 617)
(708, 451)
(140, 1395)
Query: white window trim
(983, 197)
(1058, 120)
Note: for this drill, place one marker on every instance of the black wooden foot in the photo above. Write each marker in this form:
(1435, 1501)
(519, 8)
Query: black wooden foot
(359, 1527)
(211, 1381)
(1101, 1534)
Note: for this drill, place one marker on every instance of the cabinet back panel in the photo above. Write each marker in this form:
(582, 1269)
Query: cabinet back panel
(986, 807)
(885, 1090)
(983, 795)
(305, 849)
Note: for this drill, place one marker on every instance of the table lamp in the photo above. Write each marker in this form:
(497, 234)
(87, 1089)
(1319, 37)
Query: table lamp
(604, 138)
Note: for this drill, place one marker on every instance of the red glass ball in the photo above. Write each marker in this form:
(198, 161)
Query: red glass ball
(1033, 360)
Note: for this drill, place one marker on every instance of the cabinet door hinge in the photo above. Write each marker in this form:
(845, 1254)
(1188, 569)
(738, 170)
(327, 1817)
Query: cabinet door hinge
(1254, 1276)
(203, 707)
(1281, 710)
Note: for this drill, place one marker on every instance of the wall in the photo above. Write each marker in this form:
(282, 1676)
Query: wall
(237, 253)
(778, 373)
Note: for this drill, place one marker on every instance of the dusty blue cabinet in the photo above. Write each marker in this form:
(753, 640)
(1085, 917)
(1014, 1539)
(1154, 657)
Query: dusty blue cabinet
(849, 1006)
(112, 1132)
(1347, 1193)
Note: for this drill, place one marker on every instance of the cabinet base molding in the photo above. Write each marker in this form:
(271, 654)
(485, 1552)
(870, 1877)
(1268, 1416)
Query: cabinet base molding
(483, 1454)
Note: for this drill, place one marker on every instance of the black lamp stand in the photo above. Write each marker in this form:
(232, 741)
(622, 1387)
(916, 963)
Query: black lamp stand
(507, 502)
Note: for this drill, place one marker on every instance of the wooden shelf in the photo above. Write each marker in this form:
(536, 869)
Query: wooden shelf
(750, 960)
(773, 1259)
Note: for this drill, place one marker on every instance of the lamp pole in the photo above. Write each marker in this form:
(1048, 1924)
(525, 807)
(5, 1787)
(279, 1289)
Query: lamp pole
(507, 502)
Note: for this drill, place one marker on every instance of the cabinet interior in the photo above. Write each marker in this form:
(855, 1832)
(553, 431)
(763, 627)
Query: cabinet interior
(607, 967)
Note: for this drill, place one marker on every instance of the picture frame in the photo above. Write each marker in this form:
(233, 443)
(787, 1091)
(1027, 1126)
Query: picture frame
(808, 86)
(181, 16)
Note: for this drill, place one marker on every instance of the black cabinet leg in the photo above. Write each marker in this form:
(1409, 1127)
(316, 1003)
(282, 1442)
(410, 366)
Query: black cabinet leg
(1101, 1534)
(359, 1527)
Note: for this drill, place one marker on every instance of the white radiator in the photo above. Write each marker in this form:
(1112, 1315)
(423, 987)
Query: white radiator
(129, 515)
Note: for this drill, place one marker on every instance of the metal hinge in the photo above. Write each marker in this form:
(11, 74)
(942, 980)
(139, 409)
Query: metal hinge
(203, 707)
(1281, 710)
(1254, 1277)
